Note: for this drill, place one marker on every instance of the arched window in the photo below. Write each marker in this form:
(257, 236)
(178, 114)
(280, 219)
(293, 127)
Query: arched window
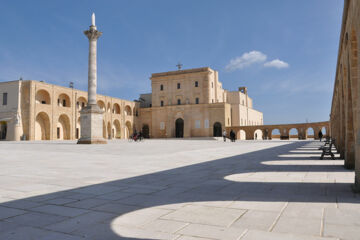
(179, 102)
(196, 100)
(64, 100)
(161, 87)
(196, 84)
(42, 97)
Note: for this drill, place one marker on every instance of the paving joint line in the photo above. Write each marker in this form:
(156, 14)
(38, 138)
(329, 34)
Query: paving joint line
(271, 228)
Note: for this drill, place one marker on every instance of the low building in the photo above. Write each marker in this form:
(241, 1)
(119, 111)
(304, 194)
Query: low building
(183, 103)
(33, 110)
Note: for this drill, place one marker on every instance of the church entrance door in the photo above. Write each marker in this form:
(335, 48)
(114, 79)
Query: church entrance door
(145, 131)
(217, 129)
(179, 128)
(3, 130)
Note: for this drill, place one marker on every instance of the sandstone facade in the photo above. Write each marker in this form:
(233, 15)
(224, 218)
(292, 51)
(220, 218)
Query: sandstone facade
(345, 119)
(193, 103)
(184, 103)
(40, 111)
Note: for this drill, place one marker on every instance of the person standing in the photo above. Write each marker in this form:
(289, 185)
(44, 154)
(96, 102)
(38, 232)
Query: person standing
(320, 135)
(224, 135)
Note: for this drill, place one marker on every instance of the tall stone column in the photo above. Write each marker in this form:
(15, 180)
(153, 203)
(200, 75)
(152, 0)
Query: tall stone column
(91, 117)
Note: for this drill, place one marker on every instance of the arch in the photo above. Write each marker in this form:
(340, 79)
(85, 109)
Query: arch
(3, 130)
(242, 135)
(323, 130)
(128, 129)
(42, 126)
(146, 131)
(275, 133)
(101, 105)
(310, 132)
(64, 100)
(109, 131)
(217, 129)
(42, 97)
(109, 107)
(81, 103)
(116, 108)
(293, 133)
(127, 110)
(117, 129)
(258, 134)
(179, 128)
(63, 127)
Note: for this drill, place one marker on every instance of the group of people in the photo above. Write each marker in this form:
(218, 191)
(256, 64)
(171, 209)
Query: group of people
(137, 136)
(232, 136)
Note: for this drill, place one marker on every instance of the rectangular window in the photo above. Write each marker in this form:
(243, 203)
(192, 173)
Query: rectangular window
(197, 123)
(5, 95)
(77, 133)
(161, 103)
(178, 86)
(161, 87)
(196, 100)
(82, 104)
(64, 103)
(43, 102)
(162, 125)
(58, 132)
(179, 102)
(196, 84)
(206, 123)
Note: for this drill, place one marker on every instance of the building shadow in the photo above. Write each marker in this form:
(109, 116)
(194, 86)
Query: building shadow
(243, 177)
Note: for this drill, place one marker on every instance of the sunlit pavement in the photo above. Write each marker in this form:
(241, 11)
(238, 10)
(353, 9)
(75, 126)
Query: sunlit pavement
(175, 189)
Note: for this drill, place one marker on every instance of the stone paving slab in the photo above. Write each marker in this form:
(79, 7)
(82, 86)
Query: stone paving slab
(175, 189)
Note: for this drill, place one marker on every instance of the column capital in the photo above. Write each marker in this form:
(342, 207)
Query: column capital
(92, 33)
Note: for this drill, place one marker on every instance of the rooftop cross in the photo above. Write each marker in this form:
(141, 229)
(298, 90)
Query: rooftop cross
(179, 65)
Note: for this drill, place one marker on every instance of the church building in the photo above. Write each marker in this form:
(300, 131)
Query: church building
(193, 103)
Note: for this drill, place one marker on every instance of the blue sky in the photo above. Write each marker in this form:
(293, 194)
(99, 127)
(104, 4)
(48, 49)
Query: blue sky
(43, 40)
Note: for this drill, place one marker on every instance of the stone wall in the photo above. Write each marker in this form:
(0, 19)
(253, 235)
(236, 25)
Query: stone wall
(345, 103)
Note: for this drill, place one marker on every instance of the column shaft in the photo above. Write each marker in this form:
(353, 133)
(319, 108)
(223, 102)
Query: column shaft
(92, 74)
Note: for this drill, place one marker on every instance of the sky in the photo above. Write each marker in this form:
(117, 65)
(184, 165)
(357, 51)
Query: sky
(283, 51)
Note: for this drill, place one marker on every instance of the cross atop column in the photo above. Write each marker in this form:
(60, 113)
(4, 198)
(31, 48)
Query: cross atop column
(179, 65)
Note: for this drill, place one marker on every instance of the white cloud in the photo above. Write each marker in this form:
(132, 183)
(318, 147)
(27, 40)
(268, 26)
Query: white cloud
(246, 60)
(276, 63)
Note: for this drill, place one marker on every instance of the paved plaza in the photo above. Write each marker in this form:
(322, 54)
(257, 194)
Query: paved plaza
(175, 189)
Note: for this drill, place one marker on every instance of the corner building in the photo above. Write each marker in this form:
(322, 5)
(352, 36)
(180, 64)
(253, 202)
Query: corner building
(33, 110)
(193, 103)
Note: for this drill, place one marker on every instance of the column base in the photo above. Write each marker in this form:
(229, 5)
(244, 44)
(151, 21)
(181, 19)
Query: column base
(92, 141)
(91, 122)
